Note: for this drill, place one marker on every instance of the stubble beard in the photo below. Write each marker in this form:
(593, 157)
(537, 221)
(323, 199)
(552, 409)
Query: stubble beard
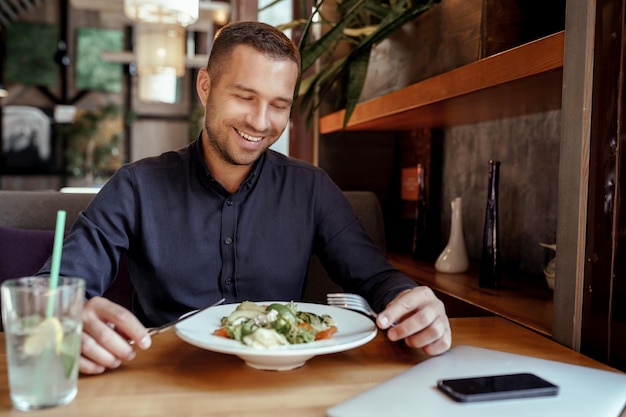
(221, 146)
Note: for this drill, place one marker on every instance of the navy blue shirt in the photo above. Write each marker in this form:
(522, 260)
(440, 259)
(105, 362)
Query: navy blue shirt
(190, 242)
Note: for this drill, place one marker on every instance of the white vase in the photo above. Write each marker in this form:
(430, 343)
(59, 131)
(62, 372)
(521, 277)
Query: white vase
(453, 259)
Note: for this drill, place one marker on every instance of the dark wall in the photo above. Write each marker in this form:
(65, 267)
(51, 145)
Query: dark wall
(528, 148)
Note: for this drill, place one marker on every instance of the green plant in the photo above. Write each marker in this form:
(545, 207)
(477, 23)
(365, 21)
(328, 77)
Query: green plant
(93, 142)
(362, 24)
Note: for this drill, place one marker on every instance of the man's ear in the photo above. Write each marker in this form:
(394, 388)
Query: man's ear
(203, 85)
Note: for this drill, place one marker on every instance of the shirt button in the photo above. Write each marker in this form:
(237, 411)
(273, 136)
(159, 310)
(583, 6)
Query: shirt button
(228, 240)
(229, 202)
(228, 281)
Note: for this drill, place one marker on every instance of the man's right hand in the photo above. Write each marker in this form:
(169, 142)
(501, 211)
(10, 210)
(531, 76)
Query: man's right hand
(107, 329)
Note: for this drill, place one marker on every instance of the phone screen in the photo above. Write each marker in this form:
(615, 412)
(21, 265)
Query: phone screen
(495, 387)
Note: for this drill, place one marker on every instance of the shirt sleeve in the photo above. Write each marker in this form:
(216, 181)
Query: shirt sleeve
(99, 236)
(351, 257)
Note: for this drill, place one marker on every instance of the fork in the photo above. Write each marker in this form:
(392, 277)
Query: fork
(351, 302)
(156, 330)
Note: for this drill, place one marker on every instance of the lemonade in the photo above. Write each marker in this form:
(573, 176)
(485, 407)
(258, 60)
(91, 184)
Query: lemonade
(42, 330)
(43, 370)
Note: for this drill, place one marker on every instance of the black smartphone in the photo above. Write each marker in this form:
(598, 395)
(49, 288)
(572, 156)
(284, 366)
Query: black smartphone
(496, 387)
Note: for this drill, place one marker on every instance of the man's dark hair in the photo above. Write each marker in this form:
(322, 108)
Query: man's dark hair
(260, 36)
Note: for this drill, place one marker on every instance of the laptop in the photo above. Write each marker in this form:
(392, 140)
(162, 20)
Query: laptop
(583, 391)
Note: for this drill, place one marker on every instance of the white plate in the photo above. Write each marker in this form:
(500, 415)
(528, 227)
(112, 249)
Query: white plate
(353, 330)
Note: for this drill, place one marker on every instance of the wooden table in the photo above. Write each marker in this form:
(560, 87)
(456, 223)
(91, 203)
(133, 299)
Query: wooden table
(176, 379)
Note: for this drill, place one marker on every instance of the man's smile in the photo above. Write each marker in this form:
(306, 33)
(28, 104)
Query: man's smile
(248, 137)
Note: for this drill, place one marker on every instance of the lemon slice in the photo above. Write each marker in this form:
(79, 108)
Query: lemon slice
(48, 334)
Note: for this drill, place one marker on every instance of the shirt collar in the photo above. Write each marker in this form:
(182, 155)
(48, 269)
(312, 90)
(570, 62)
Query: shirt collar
(207, 178)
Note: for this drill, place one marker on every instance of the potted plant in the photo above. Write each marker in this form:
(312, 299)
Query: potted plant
(361, 24)
(93, 142)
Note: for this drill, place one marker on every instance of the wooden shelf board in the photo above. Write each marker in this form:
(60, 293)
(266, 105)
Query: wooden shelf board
(523, 80)
(524, 300)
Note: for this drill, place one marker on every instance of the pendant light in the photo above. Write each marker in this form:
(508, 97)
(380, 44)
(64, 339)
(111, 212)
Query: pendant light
(160, 44)
(174, 12)
(160, 60)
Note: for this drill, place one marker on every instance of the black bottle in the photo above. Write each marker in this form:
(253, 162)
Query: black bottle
(490, 273)
(421, 242)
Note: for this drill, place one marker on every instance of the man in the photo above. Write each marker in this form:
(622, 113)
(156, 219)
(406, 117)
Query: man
(226, 217)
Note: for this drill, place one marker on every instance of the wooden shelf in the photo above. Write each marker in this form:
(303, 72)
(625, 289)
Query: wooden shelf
(523, 80)
(525, 300)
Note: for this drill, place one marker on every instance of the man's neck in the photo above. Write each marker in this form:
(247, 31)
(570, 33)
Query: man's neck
(228, 175)
(230, 178)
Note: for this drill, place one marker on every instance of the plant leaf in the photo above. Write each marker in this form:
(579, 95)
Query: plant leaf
(365, 23)
(312, 52)
(291, 25)
(357, 74)
(356, 33)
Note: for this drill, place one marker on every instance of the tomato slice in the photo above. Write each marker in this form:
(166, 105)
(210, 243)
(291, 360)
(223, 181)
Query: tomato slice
(222, 332)
(326, 334)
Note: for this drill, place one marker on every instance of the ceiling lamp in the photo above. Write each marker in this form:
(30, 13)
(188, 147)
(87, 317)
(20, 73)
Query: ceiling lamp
(177, 12)
(160, 60)
(216, 11)
(159, 88)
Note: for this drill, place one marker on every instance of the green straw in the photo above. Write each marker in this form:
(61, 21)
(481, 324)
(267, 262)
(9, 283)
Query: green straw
(56, 258)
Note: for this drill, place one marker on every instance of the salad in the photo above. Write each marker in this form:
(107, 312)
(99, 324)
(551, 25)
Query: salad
(263, 326)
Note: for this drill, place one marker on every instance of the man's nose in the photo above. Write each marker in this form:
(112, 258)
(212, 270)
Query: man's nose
(259, 118)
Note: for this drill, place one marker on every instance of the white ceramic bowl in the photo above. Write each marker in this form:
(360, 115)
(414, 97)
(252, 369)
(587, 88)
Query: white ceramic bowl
(353, 330)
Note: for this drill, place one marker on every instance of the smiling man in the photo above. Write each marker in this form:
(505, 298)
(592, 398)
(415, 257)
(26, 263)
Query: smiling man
(225, 217)
(248, 100)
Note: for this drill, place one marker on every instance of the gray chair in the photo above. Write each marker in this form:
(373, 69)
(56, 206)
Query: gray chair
(37, 209)
(27, 222)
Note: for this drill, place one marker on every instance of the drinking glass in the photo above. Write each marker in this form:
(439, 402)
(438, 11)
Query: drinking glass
(42, 330)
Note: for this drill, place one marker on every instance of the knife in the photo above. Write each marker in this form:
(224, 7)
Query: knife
(156, 330)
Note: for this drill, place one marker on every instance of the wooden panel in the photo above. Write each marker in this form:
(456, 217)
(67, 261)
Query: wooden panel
(455, 33)
(152, 137)
(445, 37)
(599, 294)
(617, 346)
(523, 80)
(573, 171)
(99, 5)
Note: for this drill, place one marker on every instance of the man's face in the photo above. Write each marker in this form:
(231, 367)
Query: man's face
(248, 108)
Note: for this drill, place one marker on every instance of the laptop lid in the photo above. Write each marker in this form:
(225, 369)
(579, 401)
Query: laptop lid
(584, 392)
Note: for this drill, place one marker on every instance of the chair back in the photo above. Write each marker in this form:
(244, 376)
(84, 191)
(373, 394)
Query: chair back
(27, 224)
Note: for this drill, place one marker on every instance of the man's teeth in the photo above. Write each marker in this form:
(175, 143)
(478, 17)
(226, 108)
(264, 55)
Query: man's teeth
(248, 137)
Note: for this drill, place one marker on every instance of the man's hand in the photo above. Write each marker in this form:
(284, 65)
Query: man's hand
(107, 328)
(420, 319)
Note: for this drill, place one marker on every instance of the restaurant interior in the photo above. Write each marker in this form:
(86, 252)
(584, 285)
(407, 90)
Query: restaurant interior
(537, 86)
